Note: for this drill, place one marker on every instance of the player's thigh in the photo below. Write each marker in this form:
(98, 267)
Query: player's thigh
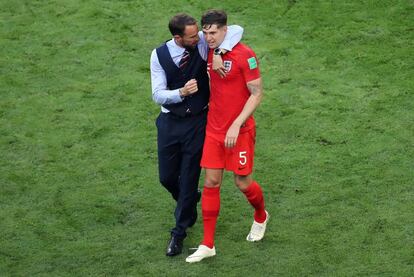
(213, 153)
(240, 159)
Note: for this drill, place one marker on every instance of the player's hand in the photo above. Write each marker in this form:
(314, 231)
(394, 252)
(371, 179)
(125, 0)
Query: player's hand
(218, 66)
(189, 88)
(231, 136)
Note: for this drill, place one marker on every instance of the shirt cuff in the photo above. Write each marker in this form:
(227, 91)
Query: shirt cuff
(176, 98)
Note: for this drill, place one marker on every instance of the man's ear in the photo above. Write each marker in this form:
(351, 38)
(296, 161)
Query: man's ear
(177, 38)
(225, 28)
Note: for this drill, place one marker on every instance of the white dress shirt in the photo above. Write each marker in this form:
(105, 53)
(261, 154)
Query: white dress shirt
(160, 93)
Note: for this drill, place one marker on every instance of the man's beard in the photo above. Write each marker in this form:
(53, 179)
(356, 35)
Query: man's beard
(190, 48)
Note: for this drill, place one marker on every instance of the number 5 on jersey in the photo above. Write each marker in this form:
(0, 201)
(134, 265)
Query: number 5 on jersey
(243, 158)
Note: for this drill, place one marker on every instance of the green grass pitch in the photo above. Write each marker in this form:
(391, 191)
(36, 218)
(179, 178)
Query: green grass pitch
(79, 191)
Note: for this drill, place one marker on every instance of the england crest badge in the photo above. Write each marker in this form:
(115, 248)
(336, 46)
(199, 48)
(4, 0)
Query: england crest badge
(227, 65)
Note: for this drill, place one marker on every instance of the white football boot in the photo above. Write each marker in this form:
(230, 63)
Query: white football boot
(258, 230)
(201, 253)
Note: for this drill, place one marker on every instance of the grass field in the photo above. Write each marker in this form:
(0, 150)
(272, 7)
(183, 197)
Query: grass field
(79, 191)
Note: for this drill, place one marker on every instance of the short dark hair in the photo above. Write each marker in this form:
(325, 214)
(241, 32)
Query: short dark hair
(178, 22)
(217, 17)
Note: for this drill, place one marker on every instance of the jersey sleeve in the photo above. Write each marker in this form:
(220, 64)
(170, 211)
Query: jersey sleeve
(250, 66)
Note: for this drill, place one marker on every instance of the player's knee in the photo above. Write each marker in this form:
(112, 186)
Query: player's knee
(212, 183)
(242, 182)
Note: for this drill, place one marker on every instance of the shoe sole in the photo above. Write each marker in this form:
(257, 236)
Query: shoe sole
(198, 260)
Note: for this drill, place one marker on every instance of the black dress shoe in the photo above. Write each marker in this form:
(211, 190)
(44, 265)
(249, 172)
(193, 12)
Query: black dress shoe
(175, 246)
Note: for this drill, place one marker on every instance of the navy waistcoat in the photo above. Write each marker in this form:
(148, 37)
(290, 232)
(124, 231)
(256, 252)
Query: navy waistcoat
(176, 78)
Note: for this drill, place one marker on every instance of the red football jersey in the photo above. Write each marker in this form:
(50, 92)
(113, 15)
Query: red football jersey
(229, 95)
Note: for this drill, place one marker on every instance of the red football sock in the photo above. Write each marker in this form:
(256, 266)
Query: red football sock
(210, 207)
(254, 195)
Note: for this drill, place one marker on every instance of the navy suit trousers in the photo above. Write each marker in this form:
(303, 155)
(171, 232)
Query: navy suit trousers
(180, 145)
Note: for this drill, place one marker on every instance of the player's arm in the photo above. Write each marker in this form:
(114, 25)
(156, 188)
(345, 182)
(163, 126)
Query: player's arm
(256, 94)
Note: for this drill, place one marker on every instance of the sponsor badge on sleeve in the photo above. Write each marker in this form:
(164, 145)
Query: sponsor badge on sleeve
(252, 63)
